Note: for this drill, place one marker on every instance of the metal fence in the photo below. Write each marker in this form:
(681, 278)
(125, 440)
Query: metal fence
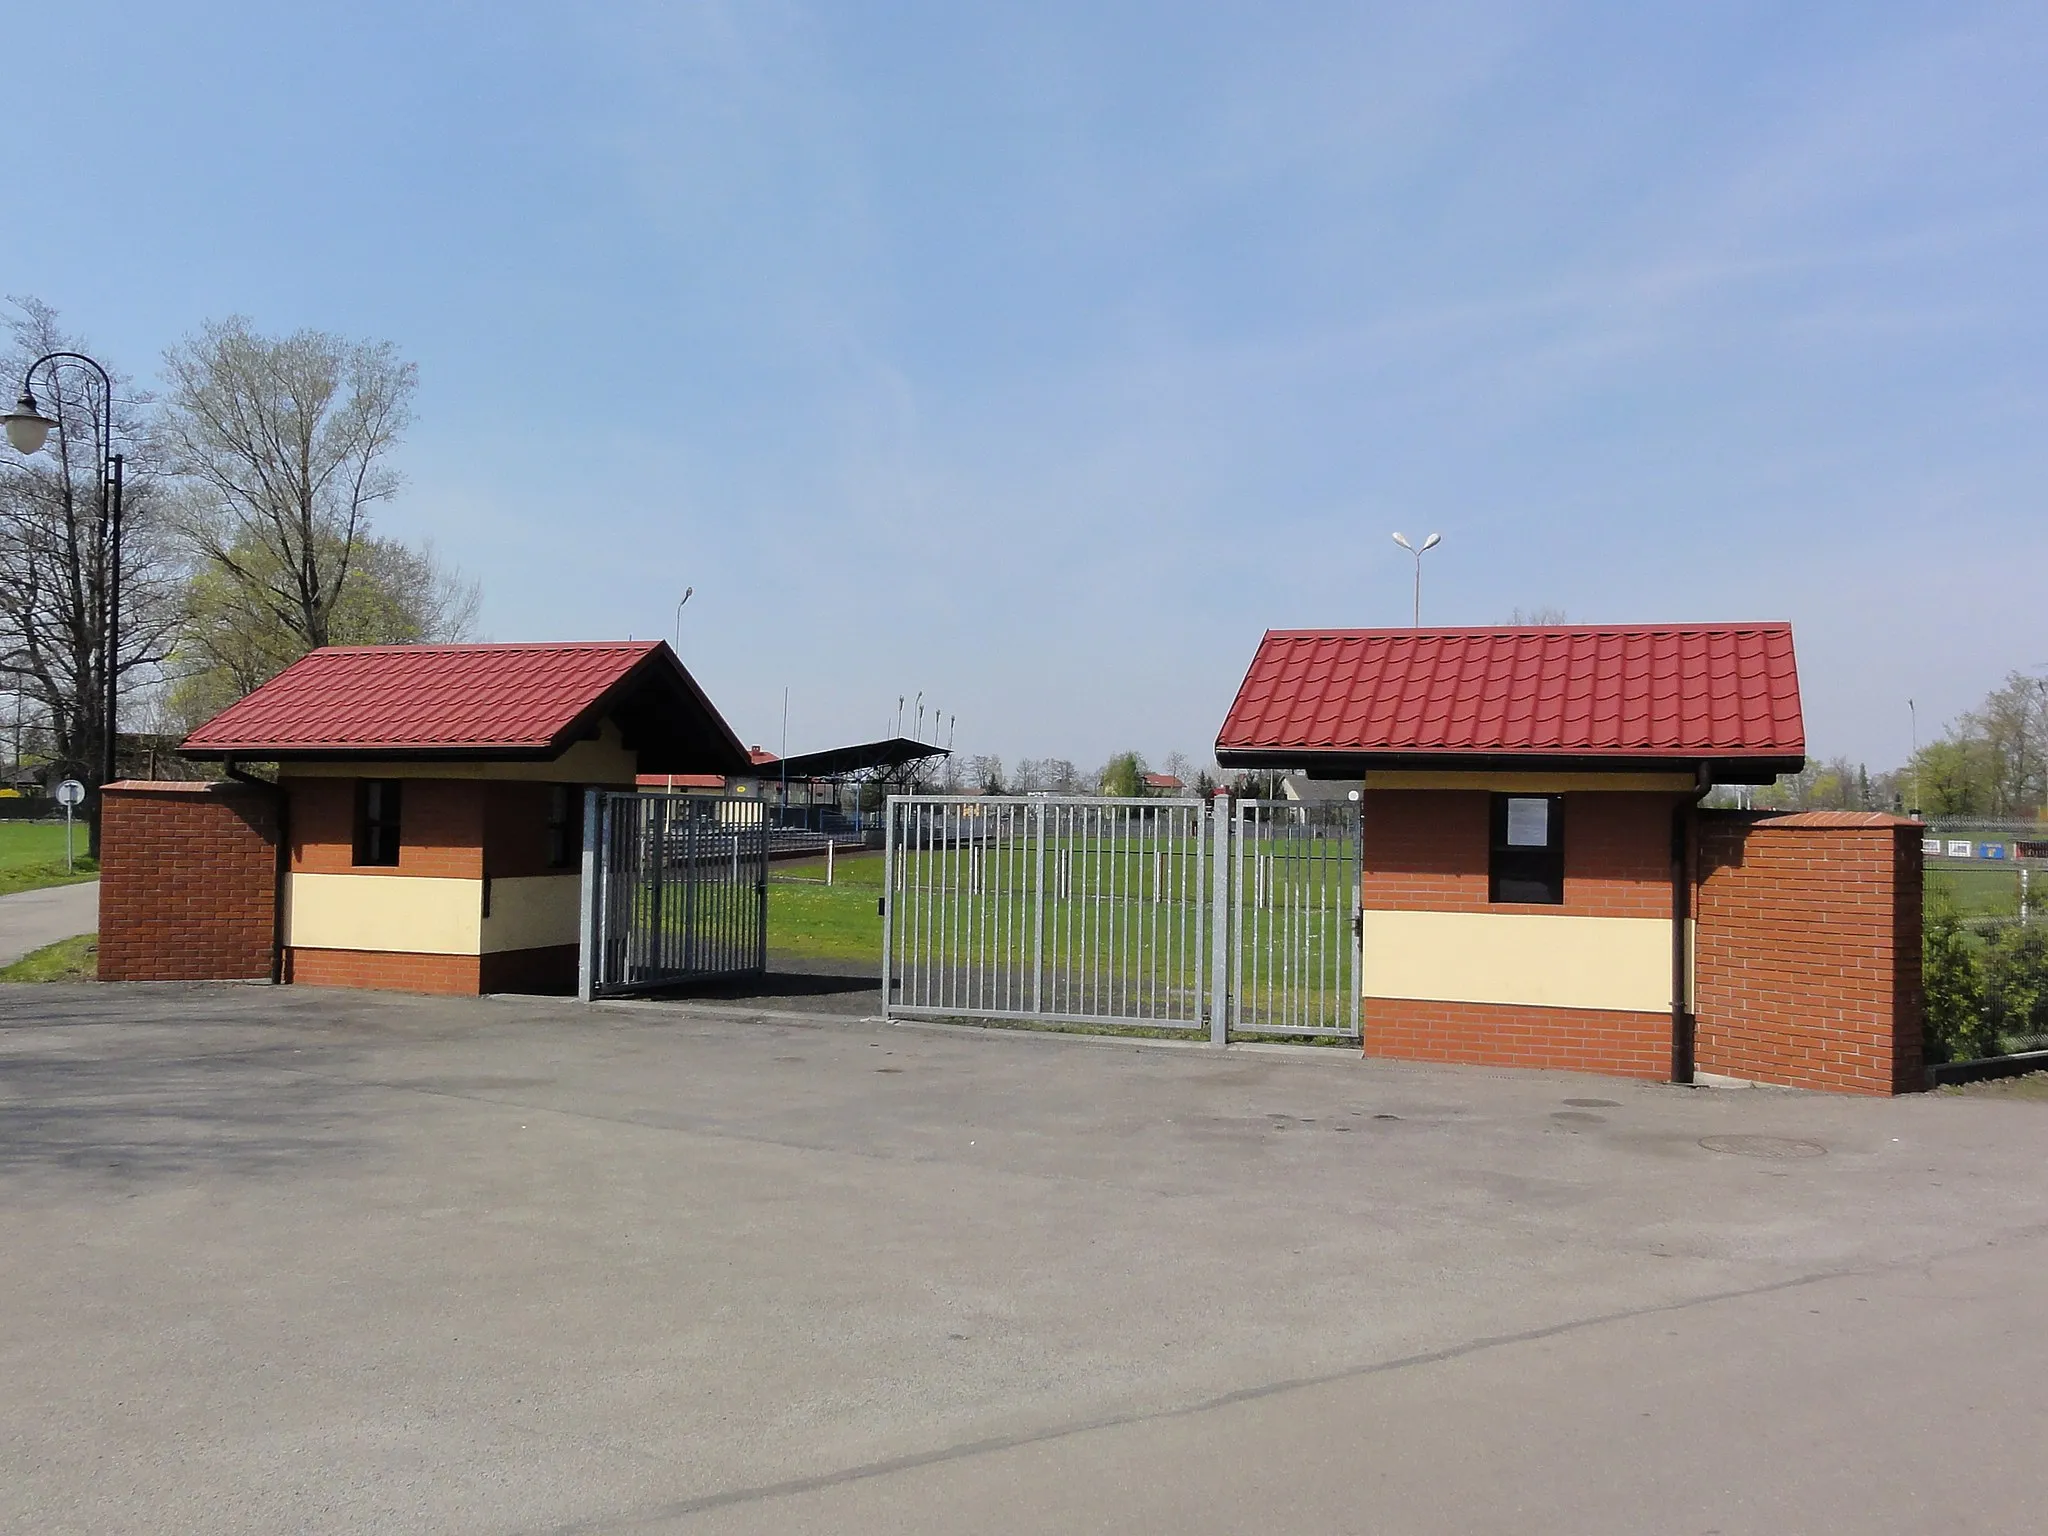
(1162, 914)
(1082, 911)
(1294, 918)
(675, 889)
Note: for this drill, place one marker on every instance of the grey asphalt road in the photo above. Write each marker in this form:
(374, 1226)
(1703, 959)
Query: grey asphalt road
(328, 1262)
(31, 919)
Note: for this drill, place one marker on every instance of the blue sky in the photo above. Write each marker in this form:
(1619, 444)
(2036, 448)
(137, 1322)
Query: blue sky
(1038, 357)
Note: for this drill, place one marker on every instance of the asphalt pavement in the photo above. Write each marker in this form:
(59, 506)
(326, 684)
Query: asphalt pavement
(31, 919)
(285, 1259)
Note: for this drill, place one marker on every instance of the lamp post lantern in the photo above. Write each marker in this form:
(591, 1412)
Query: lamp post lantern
(27, 430)
(1427, 545)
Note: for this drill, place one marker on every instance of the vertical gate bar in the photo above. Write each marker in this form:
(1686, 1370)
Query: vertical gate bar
(1354, 914)
(1038, 818)
(888, 892)
(1220, 844)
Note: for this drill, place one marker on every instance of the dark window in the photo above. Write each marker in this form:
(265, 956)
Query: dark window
(565, 826)
(1527, 863)
(377, 821)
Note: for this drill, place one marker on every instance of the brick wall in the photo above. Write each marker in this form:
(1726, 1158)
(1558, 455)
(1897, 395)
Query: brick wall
(452, 975)
(1426, 851)
(1807, 970)
(188, 882)
(1506, 1035)
(440, 827)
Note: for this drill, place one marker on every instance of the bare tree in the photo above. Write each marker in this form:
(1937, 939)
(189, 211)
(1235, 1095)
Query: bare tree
(286, 441)
(55, 558)
(394, 594)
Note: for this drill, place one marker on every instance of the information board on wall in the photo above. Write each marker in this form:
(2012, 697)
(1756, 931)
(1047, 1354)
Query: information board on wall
(1959, 848)
(1528, 822)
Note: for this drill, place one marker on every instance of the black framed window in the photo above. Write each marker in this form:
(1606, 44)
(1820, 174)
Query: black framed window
(565, 826)
(377, 802)
(1527, 859)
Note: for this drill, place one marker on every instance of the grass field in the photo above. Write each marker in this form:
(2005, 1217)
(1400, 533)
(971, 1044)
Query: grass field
(32, 856)
(66, 960)
(835, 922)
(1981, 892)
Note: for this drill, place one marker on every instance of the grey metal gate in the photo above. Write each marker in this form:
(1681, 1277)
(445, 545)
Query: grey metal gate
(1294, 918)
(1065, 909)
(675, 889)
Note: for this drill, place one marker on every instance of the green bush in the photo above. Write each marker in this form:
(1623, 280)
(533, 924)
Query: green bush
(2016, 988)
(1953, 980)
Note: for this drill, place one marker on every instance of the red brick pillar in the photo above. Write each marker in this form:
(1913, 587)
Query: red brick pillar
(1807, 966)
(188, 882)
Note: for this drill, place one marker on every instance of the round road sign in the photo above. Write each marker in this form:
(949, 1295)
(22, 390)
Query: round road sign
(70, 792)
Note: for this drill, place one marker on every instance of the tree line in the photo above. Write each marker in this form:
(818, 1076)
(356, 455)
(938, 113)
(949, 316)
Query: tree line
(1124, 775)
(247, 534)
(1989, 762)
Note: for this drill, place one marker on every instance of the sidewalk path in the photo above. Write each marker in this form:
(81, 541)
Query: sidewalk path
(31, 919)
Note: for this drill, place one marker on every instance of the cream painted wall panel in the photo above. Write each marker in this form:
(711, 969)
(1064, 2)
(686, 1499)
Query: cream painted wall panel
(400, 914)
(532, 911)
(1513, 957)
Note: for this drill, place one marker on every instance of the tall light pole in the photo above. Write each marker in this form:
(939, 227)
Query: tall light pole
(27, 430)
(688, 593)
(1913, 710)
(1427, 545)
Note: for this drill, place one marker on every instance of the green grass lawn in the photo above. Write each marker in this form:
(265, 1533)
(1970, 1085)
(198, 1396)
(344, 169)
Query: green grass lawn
(32, 856)
(835, 922)
(1979, 892)
(66, 960)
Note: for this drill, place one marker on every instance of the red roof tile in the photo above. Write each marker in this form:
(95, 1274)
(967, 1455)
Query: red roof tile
(1671, 692)
(517, 699)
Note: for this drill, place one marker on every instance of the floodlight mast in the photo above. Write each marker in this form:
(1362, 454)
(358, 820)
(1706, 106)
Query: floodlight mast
(1427, 545)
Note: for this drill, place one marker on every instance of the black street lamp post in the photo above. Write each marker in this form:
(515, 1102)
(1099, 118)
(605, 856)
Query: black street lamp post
(28, 429)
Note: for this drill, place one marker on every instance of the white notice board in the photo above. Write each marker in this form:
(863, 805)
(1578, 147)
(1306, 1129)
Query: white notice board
(1528, 822)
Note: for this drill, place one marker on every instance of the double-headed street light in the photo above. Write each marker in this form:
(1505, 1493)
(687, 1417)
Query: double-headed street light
(27, 430)
(1427, 545)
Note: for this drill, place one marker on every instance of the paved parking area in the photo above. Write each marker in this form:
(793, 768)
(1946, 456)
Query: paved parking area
(291, 1260)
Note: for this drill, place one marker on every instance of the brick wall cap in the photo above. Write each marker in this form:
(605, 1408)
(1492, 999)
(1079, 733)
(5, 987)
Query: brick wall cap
(177, 787)
(1797, 819)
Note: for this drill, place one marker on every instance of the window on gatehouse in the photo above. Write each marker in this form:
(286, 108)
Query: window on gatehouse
(377, 803)
(1527, 859)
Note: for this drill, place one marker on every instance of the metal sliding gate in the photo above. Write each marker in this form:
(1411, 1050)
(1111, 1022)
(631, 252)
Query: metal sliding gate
(1294, 918)
(675, 889)
(1159, 913)
(1078, 911)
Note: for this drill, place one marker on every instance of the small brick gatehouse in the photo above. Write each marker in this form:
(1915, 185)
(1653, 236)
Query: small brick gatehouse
(424, 828)
(1541, 886)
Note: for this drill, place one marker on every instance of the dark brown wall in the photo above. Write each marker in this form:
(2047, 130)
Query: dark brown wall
(1426, 850)
(440, 828)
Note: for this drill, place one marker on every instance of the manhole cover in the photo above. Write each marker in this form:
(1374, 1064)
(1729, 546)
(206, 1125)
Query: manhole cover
(1776, 1147)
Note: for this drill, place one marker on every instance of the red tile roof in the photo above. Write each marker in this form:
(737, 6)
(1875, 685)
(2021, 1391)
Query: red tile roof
(477, 700)
(1674, 693)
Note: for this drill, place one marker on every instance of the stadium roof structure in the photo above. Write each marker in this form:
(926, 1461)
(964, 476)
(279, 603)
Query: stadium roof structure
(890, 759)
(1718, 698)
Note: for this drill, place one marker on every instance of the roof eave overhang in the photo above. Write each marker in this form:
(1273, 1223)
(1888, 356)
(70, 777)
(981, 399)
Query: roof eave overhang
(256, 752)
(1352, 763)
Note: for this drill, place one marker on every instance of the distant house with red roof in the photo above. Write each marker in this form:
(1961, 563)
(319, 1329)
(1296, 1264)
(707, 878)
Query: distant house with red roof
(428, 804)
